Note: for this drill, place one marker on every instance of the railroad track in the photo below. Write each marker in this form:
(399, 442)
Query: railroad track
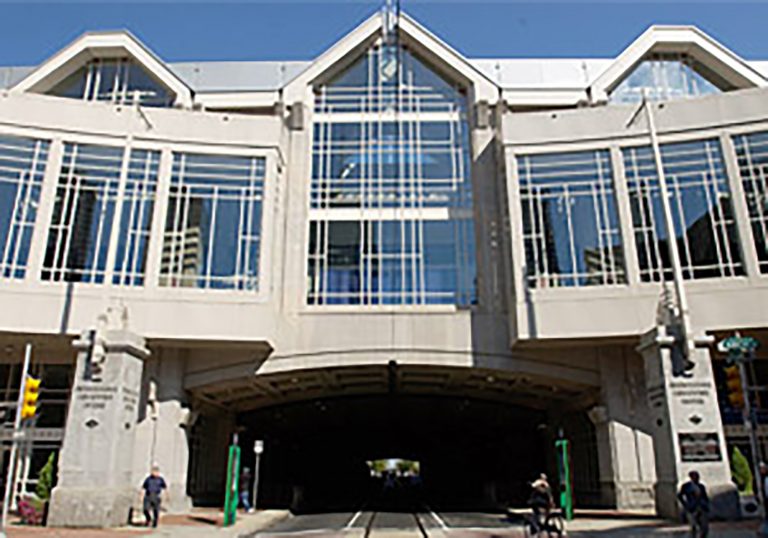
(416, 529)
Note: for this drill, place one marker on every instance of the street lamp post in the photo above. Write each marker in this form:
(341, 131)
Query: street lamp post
(258, 449)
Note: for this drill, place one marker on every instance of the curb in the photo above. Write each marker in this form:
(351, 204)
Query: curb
(259, 522)
(244, 527)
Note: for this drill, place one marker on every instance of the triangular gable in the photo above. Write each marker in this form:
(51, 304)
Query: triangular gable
(426, 45)
(90, 46)
(720, 66)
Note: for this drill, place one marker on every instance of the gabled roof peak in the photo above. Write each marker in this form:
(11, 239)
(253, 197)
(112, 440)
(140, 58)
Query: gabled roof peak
(728, 70)
(102, 44)
(429, 46)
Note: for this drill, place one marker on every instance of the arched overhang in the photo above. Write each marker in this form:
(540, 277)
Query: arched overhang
(103, 45)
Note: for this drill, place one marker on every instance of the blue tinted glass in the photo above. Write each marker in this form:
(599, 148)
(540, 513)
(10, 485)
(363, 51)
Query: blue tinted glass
(570, 220)
(663, 78)
(701, 206)
(403, 161)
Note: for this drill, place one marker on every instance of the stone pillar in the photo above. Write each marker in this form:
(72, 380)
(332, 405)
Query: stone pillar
(687, 428)
(626, 461)
(623, 432)
(95, 487)
(161, 435)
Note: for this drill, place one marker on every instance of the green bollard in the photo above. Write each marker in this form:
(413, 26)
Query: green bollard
(562, 448)
(231, 499)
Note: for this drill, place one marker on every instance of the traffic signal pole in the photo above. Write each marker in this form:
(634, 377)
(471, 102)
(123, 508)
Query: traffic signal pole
(751, 424)
(689, 347)
(741, 351)
(9, 480)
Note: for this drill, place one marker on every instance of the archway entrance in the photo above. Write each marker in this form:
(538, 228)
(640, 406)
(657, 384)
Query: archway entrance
(472, 454)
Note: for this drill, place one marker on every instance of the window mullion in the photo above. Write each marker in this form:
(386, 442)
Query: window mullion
(117, 214)
(735, 181)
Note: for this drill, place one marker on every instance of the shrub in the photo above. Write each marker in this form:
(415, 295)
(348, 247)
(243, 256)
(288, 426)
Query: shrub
(742, 474)
(45, 479)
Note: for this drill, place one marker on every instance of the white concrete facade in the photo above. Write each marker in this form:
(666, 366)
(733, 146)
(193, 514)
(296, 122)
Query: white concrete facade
(220, 352)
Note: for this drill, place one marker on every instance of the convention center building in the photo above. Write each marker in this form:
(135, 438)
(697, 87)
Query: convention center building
(391, 250)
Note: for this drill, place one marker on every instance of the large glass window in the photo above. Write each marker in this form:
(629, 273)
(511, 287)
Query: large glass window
(663, 77)
(701, 208)
(570, 221)
(752, 154)
(391, 196)
(388, 79)
(22, 165)
(213, 225)
(119, 81)
(78, 237)
(386, 164)
(388, 262)
(136, 217)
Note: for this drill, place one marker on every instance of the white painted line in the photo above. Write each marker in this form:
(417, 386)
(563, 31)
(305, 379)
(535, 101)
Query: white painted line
(437, 518)
(486, 529)
(354, 519)
(307, 532)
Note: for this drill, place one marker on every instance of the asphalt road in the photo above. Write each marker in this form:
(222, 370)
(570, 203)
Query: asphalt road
(421, 524)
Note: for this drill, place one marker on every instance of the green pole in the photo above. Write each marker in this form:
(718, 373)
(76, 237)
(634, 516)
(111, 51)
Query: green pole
(233, 473)
(564, 471)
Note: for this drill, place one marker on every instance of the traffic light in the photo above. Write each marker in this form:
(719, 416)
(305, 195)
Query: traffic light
(31, 394)
(735, 391)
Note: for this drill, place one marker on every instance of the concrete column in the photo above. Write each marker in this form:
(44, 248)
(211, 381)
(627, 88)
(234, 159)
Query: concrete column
(687, 428)
(95, 487)
(161, 435)
(623, 431)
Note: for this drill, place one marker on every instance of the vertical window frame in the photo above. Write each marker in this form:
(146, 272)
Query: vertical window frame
(571, 171)
(250, 246)
(640, 168)
(30, 173)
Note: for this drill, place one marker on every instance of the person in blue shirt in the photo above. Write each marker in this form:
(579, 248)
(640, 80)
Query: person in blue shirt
(153, 487)
(693, 497)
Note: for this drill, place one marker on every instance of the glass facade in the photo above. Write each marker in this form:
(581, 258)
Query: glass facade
(663, 77)
(120, 81)
(752, 156)
(702, 209)
(570, 221)
(391, 196)
(213, 225)
(83, 214)
(136, 218)
(22, 165)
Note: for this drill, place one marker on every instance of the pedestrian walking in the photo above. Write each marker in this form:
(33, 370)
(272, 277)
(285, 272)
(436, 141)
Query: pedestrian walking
(693, 497)
(153, 487)
(245, 490)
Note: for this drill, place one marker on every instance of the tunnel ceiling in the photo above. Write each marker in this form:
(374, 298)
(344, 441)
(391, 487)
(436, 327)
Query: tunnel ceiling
(251, 392)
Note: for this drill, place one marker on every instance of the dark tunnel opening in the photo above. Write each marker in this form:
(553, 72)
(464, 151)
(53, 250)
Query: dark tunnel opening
(472, 454)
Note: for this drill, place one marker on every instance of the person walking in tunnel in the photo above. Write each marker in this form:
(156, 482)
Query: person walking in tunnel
(541, 502)
(245, 490)
(693, 497)
(154, 486)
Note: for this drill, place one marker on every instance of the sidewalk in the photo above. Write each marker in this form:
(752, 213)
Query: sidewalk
(631, 526)
(198, 523)
(613, 524)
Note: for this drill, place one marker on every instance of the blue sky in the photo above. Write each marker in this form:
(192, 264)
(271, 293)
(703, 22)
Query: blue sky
(253, 30)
